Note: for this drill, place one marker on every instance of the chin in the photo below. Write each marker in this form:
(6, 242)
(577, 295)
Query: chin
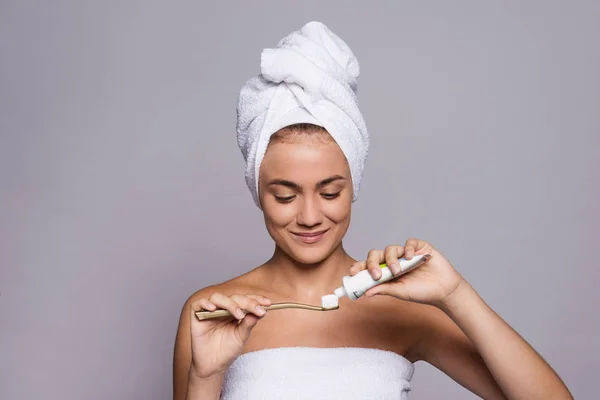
(310, 254)
(309, 257)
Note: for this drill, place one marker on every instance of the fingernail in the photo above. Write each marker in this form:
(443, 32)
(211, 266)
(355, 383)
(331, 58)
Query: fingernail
(240, 313)
(395, 267)
(260, 310)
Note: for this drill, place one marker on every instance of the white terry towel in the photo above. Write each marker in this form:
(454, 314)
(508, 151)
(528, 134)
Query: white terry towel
(298, 373)
(311, 77)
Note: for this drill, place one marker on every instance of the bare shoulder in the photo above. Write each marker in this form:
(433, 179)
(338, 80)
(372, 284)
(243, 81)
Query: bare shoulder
(393, 324)
(413, 325)
(248, 283)
(432, 331)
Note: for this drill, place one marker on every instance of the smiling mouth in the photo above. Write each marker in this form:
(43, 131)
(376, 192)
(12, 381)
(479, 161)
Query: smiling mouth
(310, 237)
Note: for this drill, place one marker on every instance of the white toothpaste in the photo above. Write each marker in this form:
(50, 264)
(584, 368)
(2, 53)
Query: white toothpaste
(329, 301)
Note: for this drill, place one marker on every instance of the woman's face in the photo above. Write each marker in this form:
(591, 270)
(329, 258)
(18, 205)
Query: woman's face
(305, 190)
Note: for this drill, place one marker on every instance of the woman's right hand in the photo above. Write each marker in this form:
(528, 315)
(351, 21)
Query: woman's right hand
(216, 343)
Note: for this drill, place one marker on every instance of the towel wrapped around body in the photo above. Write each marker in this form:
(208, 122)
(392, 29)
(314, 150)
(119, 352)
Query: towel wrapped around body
(299, 373)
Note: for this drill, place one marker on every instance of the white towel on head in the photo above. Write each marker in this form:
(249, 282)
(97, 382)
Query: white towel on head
(299, 373)
(311, 77)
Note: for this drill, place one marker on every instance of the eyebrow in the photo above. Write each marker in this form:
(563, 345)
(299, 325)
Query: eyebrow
(294, 185)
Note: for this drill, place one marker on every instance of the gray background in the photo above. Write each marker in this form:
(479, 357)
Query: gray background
(122, 188)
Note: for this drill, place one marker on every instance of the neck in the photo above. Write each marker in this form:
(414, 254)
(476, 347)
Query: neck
(308, 282)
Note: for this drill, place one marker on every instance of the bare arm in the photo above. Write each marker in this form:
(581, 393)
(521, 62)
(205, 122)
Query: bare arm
(185, 385)
(198, 389)
(464, 337)
(442, 344)
(490, 358)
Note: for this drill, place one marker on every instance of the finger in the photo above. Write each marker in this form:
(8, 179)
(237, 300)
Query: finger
(244, 328)
(202, 304)
(375, 258)
(261, 299)
(357, 267)
(249, 304)
(226, 303)
(392, 254)
(410, 248)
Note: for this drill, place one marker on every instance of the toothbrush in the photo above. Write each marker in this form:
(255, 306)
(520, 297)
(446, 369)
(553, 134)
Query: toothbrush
(202, 315)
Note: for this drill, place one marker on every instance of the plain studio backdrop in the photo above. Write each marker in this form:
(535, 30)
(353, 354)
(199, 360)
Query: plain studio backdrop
(122, 187)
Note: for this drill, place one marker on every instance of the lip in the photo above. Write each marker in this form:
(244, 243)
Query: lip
(310, 237)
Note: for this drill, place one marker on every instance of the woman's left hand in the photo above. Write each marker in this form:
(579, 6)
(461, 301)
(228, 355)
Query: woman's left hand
(433, 283)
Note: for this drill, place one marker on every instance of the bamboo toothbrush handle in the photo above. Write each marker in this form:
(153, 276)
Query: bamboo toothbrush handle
(202, 315)
(280, 306)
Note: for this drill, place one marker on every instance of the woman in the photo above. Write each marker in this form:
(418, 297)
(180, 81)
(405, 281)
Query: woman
(305, 143)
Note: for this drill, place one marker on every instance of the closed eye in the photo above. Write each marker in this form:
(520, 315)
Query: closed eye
(284, 199)
(330, 196)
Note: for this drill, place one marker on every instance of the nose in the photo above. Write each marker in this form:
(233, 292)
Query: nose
(310, 213)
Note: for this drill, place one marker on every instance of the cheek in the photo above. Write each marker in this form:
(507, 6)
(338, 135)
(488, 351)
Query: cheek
(279, 216)
(338, 211)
